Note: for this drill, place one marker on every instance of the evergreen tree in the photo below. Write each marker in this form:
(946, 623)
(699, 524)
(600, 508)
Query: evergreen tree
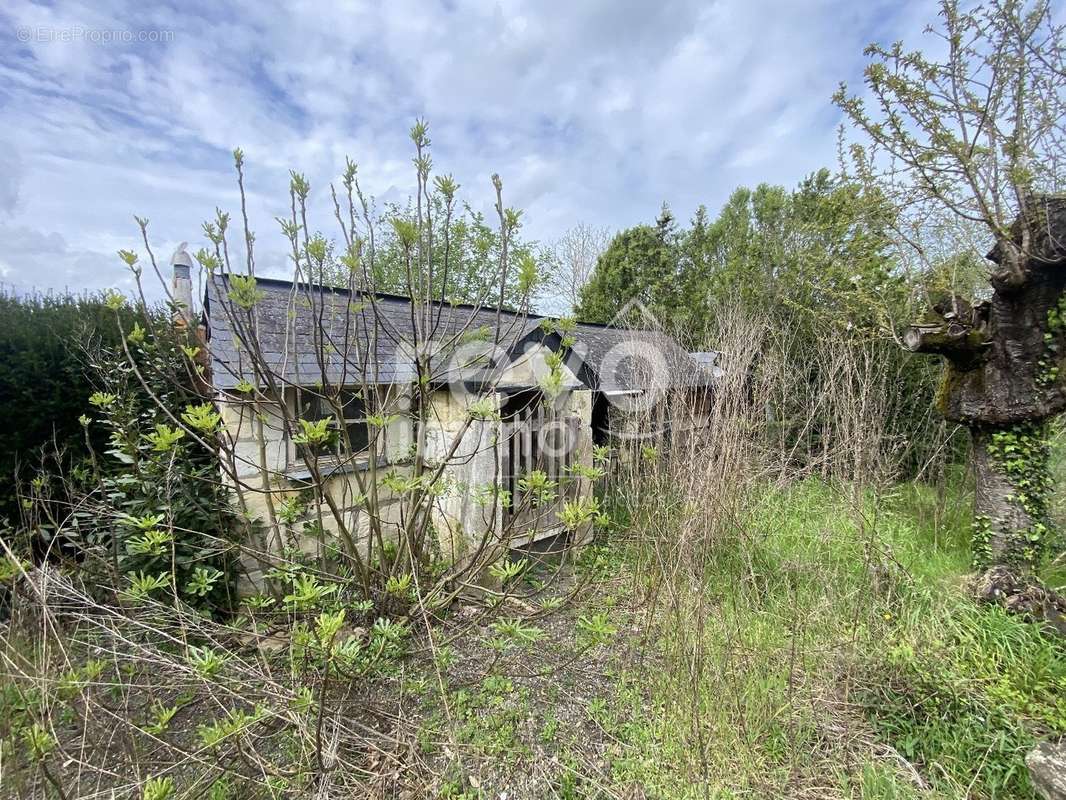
(640, 264)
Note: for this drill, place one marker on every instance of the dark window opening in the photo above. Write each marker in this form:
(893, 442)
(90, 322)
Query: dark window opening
(520, 405)
(351, 432)
(601, 426)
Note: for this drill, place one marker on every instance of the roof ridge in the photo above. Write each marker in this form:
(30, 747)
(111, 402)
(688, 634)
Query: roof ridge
(284, 283)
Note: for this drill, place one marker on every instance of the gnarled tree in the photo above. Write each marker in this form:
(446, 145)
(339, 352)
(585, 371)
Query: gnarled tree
(1004, 377)
(970, 143)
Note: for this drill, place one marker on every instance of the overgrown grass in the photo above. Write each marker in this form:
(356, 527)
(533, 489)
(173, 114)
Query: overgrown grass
(818, 645)
(831, 650)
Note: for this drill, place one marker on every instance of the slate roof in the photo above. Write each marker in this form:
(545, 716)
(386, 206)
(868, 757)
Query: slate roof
(307, 332)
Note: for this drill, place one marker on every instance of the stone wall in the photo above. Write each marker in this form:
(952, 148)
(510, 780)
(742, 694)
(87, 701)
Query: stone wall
(463, 515)
(269, 473)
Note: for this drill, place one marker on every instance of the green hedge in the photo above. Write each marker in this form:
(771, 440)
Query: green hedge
(45, 379)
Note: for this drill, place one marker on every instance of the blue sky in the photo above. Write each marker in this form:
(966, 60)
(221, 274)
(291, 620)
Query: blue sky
(591, 112)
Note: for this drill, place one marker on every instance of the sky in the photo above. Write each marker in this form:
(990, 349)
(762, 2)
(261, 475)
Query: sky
(594, 112)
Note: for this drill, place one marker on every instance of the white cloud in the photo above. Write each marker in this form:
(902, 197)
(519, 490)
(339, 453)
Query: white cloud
(591, 112)
(10, 179)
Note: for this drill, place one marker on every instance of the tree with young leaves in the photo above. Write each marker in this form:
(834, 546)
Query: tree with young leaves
(975, 134)
(462, 237)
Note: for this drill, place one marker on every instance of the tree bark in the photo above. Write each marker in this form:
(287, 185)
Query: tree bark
(1005, 376)
(1006, 516)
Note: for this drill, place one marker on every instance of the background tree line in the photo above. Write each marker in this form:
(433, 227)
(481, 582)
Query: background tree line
(817, 265)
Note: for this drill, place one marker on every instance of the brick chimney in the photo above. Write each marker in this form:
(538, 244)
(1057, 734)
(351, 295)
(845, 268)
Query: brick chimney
(181, 287)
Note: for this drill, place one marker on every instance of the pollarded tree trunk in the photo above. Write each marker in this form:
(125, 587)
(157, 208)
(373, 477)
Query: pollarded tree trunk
(1010, 498)
(1005, 377)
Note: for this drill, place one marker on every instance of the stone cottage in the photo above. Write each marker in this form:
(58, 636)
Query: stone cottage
(484, 396)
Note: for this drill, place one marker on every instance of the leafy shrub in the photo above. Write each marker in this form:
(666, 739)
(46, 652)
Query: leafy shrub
(148, 503)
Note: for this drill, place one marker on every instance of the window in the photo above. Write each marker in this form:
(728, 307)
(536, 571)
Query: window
(313, 408)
